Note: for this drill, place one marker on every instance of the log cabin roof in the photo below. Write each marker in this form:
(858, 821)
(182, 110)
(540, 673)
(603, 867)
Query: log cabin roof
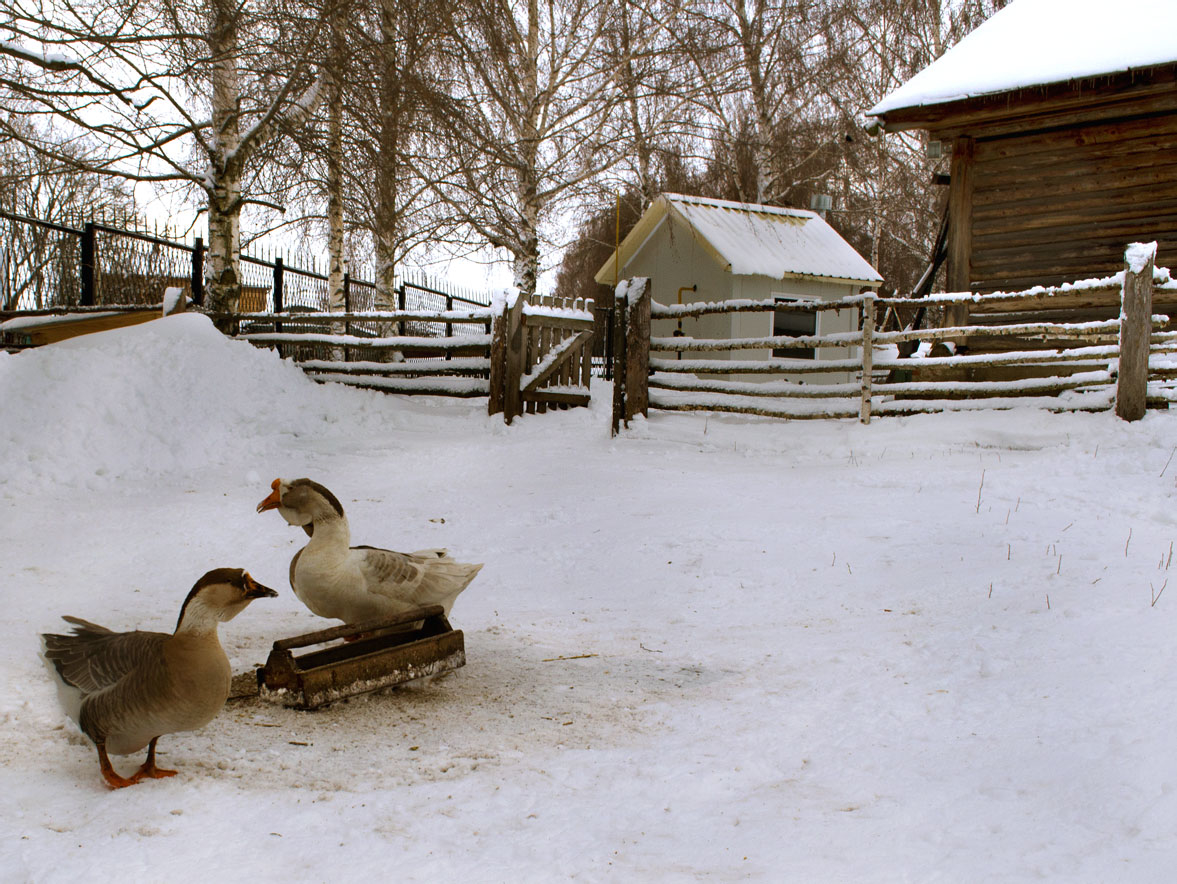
(750, 239)
(1038, 43)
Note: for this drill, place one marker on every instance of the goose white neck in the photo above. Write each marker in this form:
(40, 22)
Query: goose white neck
(201, 618)
(332, 530)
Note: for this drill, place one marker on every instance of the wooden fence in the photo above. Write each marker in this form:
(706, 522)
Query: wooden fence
(524, 357)
(541, 356)
(1017, 349)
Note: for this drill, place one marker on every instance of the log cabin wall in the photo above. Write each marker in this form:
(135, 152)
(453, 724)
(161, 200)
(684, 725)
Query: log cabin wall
(1058, 205)
(1048, 183)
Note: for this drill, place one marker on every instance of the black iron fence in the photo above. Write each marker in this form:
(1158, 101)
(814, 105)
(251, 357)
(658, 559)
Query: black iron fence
(45, 265)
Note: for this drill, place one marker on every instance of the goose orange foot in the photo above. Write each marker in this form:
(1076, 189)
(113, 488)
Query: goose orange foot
(109, 773)
(148, 770)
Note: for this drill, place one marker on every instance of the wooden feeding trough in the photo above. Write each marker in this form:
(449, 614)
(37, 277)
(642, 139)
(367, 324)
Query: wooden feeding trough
(361, 657)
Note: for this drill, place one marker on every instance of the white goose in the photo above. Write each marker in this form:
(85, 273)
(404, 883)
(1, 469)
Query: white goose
(358, 583)
(127, 689)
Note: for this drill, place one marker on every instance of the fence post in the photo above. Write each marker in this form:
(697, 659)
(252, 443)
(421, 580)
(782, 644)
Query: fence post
(868, 355)
(498, 361)
(401, 301)
(347, 309)
(637, 350)
(198, 272)
(617, 354)
(89, 263)
(513, 367)
(278, 283)
(1135, 331)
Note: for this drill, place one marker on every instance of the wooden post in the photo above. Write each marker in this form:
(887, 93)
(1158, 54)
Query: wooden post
(1135, 331)
(516, 344)
(346, 309)
(498, 362)
(868, 334)
(198, 272)
(617, 358)
(637, 350)
(89, 264)
(586, 353)
(960, 229)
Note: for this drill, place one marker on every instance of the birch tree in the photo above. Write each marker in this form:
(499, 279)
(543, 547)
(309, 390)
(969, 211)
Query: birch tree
(182, 95)
(529, 123)
(655, 110)
(758, 65)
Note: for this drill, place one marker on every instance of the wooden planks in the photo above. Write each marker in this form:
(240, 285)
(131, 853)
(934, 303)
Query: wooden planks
(1055, 205)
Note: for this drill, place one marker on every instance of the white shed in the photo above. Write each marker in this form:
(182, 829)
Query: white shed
(698, 249)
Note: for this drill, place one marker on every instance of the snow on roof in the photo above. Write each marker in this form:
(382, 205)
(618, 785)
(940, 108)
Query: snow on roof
(754, 240)
(1036, 42)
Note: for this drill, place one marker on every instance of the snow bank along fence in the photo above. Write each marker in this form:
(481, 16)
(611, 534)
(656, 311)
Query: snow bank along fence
(525, 356)
(1085, 346)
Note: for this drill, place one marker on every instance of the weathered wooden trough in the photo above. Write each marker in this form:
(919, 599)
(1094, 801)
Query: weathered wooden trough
(361, 657)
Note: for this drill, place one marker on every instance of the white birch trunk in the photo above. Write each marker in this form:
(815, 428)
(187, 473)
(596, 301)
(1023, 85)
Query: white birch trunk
(526, 251)
(752, 44)
(222, 278)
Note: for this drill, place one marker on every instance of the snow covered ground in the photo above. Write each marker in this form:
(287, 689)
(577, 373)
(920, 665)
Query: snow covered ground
(714, 648)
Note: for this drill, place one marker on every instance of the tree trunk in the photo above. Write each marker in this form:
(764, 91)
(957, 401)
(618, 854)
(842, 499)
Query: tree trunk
(335, 170)
(386, 224)
(752, 44)
(224, 190)
(526, 251)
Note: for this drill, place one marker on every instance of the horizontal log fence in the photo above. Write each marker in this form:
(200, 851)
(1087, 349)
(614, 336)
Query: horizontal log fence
(370, 350)
(524, 357)
(1014, 350)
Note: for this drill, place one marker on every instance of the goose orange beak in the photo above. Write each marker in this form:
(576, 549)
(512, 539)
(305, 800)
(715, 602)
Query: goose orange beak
(274, 500)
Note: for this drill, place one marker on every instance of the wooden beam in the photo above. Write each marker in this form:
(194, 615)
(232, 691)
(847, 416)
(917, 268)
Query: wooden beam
(637, 349)
(960, 218)
(558, 397)
(515, 345)
(1135, 331)
(498, 363)
(617, 357)
(563, 351)
(868, 330)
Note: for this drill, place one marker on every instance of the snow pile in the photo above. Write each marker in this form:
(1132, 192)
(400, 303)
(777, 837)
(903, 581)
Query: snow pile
(1036, 42)
(167, 396)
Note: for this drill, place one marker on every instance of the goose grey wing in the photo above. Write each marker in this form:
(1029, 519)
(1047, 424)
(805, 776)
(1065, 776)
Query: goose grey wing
(93, 658)
(429, 577)
(387, 572)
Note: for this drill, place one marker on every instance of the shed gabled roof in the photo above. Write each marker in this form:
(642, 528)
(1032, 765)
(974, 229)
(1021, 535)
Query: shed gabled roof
(753, 240)
(1040, 42)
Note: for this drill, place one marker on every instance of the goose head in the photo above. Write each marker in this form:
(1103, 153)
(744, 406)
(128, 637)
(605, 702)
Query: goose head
(301, 502)
(219, 596)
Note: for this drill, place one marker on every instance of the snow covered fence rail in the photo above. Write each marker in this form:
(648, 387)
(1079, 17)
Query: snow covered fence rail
(1060, 348)
(370, 349)
(532, 354)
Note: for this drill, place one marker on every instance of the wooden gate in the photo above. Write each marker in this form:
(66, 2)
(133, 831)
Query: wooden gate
(541, 355)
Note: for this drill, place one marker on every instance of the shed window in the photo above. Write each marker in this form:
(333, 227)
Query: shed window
(794, 324)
